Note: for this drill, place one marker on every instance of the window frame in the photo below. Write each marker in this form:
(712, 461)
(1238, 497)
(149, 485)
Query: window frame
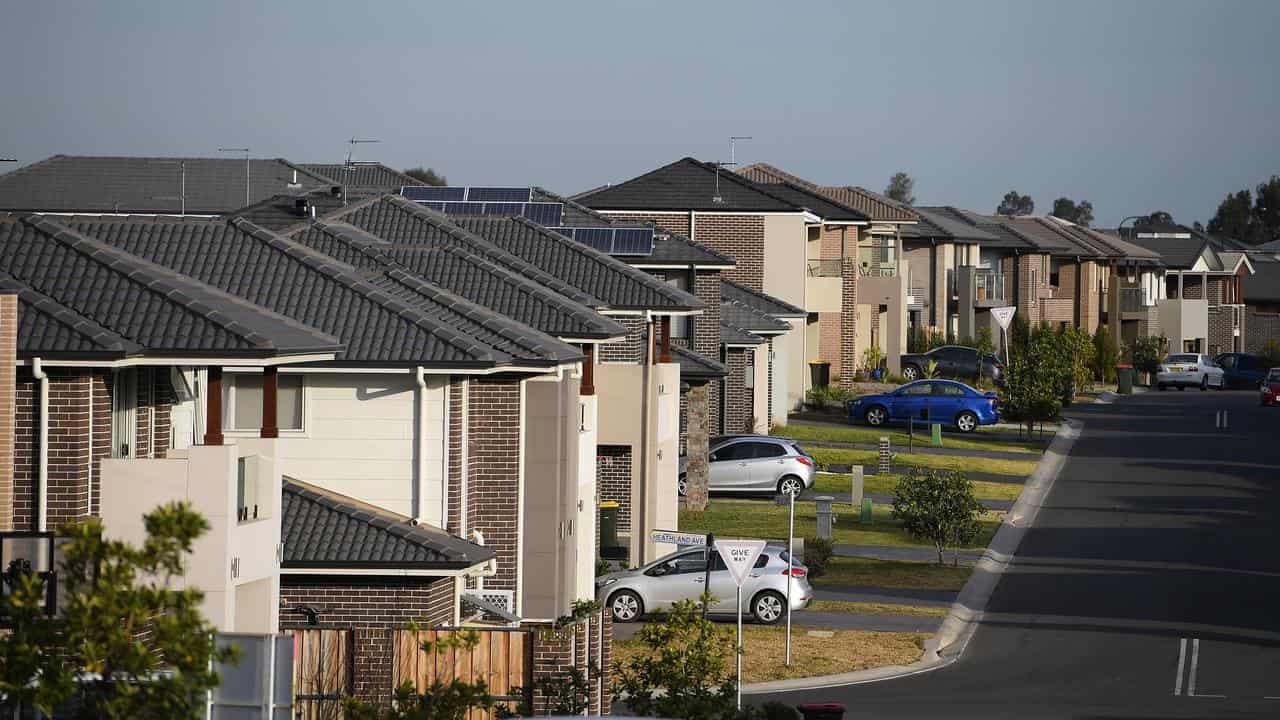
(229, 407)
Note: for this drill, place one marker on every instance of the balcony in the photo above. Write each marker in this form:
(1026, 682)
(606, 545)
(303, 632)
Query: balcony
(1133, 300)
(877, 261)
(988, 288)
(824, 268)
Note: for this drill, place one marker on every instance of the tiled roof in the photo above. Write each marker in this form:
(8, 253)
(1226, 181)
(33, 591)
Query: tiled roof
(462, 272)
(46, 327)
(376, 326)
(1051, 235)
(817, 203)
(363, 176)
(672, 249)
(575, 213)
(1273, 246)
(1112, 245)
(1264, 284)
(874, 205)
(145, 306)
(766, 173)
(939, 224)
(744, 316)
(767, 304)
(1176, 253)
(78, 183)
(685, 184)
(396, 220)
(696, 367)
(730, 335)
(322, 529)
(284, 211)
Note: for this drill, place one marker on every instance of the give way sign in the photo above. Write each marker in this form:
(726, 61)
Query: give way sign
(1003, 315)
(739, 556)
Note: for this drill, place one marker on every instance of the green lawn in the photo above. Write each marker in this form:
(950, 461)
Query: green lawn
(839, 483)
(966, 463)
(754, 519)
(884, 573)
(859, 434)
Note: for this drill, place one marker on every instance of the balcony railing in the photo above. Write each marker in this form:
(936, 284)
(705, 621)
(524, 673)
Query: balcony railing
(877, 261)
(1133, 299)
(988, 285)
(824, 268)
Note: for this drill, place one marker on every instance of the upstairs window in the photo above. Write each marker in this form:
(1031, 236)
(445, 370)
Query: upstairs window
(243, 401)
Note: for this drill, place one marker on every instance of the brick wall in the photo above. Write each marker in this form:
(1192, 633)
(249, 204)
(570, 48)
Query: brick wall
(8, 393)
(586, 646)
(613, 478)
(493, 503)
(740, 237)
(848, 321)
(831, 242)
(373, 609)
(737, 397)
(1091, 302)
(829, 343)
(630, 350)
(706, 330)
(1259, 327)
(1223, 319)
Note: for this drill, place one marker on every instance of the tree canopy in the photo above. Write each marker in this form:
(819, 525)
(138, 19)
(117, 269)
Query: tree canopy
(1016, 204)
(900, 188)
(427, 175)
(1250, 217)
(1160, 217)
(1080, 213)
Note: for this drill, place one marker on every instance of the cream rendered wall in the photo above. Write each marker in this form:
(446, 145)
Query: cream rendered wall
(359, 439)
(760, 394)
(789, 373)
(586, 519)
(785, 243)
(662, 509)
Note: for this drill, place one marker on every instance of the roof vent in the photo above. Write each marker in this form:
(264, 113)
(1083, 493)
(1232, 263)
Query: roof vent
(300, 206)
(336, 191)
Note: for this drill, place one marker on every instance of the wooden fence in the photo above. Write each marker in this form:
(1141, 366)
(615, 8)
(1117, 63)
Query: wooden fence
(322, 672)
(503, 659)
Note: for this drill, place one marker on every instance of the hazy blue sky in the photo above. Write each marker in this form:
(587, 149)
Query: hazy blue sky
(1133, 105)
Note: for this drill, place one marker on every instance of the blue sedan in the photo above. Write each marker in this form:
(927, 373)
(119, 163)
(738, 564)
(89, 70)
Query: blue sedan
(929, 401)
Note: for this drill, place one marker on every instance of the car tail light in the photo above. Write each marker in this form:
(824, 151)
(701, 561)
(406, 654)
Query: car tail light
(804, 460)
(795, 572)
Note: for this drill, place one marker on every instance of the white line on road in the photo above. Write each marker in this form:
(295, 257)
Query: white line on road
(1182, 659)
(1195, 664)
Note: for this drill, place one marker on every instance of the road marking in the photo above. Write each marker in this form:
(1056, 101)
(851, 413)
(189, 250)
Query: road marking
(1182, 660)
(1195, 664)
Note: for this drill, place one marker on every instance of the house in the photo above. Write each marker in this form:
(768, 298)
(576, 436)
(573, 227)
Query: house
(1202, 308)
(1262, 304)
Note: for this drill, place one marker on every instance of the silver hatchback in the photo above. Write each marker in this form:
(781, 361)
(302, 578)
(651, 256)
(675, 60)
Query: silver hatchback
(681, 575)
(759, 464)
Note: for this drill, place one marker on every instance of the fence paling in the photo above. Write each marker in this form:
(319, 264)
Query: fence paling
(498, 659)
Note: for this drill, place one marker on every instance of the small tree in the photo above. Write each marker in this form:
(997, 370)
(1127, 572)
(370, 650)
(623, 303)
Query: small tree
(901, 188)
(427, 175)
(940, 506)
(125, 645)
(1039, 369)
(684, 671)
(441, 701)
(1013, 204)
(1105, 355)
(1148, 352)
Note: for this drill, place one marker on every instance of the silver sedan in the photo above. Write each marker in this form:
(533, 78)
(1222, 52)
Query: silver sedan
(755, 464)
(681, 575)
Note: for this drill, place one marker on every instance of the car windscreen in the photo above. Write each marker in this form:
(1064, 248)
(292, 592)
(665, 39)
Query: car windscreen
(1182, 359)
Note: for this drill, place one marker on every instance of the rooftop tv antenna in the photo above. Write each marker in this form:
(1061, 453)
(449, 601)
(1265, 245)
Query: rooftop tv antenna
(733, 138)
(244, 150)
(181, 197)
(347, 166)
(716, 198)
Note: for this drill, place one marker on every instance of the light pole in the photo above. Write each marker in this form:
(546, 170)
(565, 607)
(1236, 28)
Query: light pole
(244, 150)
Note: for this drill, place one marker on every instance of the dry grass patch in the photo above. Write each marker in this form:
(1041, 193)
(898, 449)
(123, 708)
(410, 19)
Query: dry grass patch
(862, 572)
(863, 608)
(844, 651)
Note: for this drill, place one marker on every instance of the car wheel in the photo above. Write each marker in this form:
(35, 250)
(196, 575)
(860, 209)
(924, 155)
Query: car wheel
(911, 373)
(626, 606)
(876, 416)
(683, 485)
(768, 607)
(790, 485)
(1204, 382)
(966, 422)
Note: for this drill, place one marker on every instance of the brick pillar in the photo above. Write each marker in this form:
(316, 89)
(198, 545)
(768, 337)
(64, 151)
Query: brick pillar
(8, 398)
(697, 471)
(848, 320)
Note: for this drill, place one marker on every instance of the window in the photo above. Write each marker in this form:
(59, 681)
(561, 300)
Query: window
(948, 390)
(918, 389)
(1229, 362)
(766, 450)
(1055, 270)
(679, 323)
(737, 451)
(717, 562)
(124, 403)
(243, 400)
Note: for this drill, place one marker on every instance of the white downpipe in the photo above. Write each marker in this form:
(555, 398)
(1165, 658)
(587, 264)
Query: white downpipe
(42, 493)
(444, 453)
(420, 500)
(466, 459)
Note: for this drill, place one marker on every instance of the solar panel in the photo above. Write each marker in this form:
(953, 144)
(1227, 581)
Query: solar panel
(424, 192)
(598, 238)
(547, 214)
(498, 194)
(633, 241)
(503, 209)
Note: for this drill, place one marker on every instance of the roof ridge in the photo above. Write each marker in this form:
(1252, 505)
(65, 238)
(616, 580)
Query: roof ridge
(763, 295)
(295, 166)
(68, 317)
(160, 280)
(411, 180)
(347, 276)
(744, 182)
(23, 168)
(778, 172)
(644, 278)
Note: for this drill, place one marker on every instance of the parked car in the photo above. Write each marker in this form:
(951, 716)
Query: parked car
(1242, 370)
(954, 361)
(755, 464)
(630, 594)
(1184, 370)
(1270, 388)
(946, 401)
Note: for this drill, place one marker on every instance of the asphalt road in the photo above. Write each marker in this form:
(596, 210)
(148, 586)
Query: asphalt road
(1148, 588)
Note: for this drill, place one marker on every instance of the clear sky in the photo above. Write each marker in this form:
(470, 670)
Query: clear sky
(1135, 106)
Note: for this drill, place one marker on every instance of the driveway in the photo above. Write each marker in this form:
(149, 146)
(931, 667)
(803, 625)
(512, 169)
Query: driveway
(1149, 586)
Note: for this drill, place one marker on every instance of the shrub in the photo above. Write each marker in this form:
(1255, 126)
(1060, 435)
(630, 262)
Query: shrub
(817, 554)
(1038, 371)
(872, 357)
(1105, 355)
(940, 506)
(1271, 353)
(985, 343)
(1148, 352)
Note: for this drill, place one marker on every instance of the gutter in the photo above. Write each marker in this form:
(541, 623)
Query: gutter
(42, 482)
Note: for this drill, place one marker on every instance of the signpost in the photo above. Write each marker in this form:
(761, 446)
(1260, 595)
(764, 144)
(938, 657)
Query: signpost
(675, 537)
(791, 549)
(1003, 316)
(739, 557)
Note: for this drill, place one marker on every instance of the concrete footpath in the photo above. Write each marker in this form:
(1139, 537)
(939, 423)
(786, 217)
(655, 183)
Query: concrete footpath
(952, 636)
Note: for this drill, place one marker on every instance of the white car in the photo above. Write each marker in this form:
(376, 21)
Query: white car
(1185, 370)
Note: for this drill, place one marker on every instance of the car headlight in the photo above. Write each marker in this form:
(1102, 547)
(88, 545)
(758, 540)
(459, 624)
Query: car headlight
(606, 582)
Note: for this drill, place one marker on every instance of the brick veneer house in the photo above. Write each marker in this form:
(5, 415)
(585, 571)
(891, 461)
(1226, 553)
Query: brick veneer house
(1262, 302)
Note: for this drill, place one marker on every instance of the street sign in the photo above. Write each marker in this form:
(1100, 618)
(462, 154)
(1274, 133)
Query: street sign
(739, 556)
(1003, 315)
(675, 537)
